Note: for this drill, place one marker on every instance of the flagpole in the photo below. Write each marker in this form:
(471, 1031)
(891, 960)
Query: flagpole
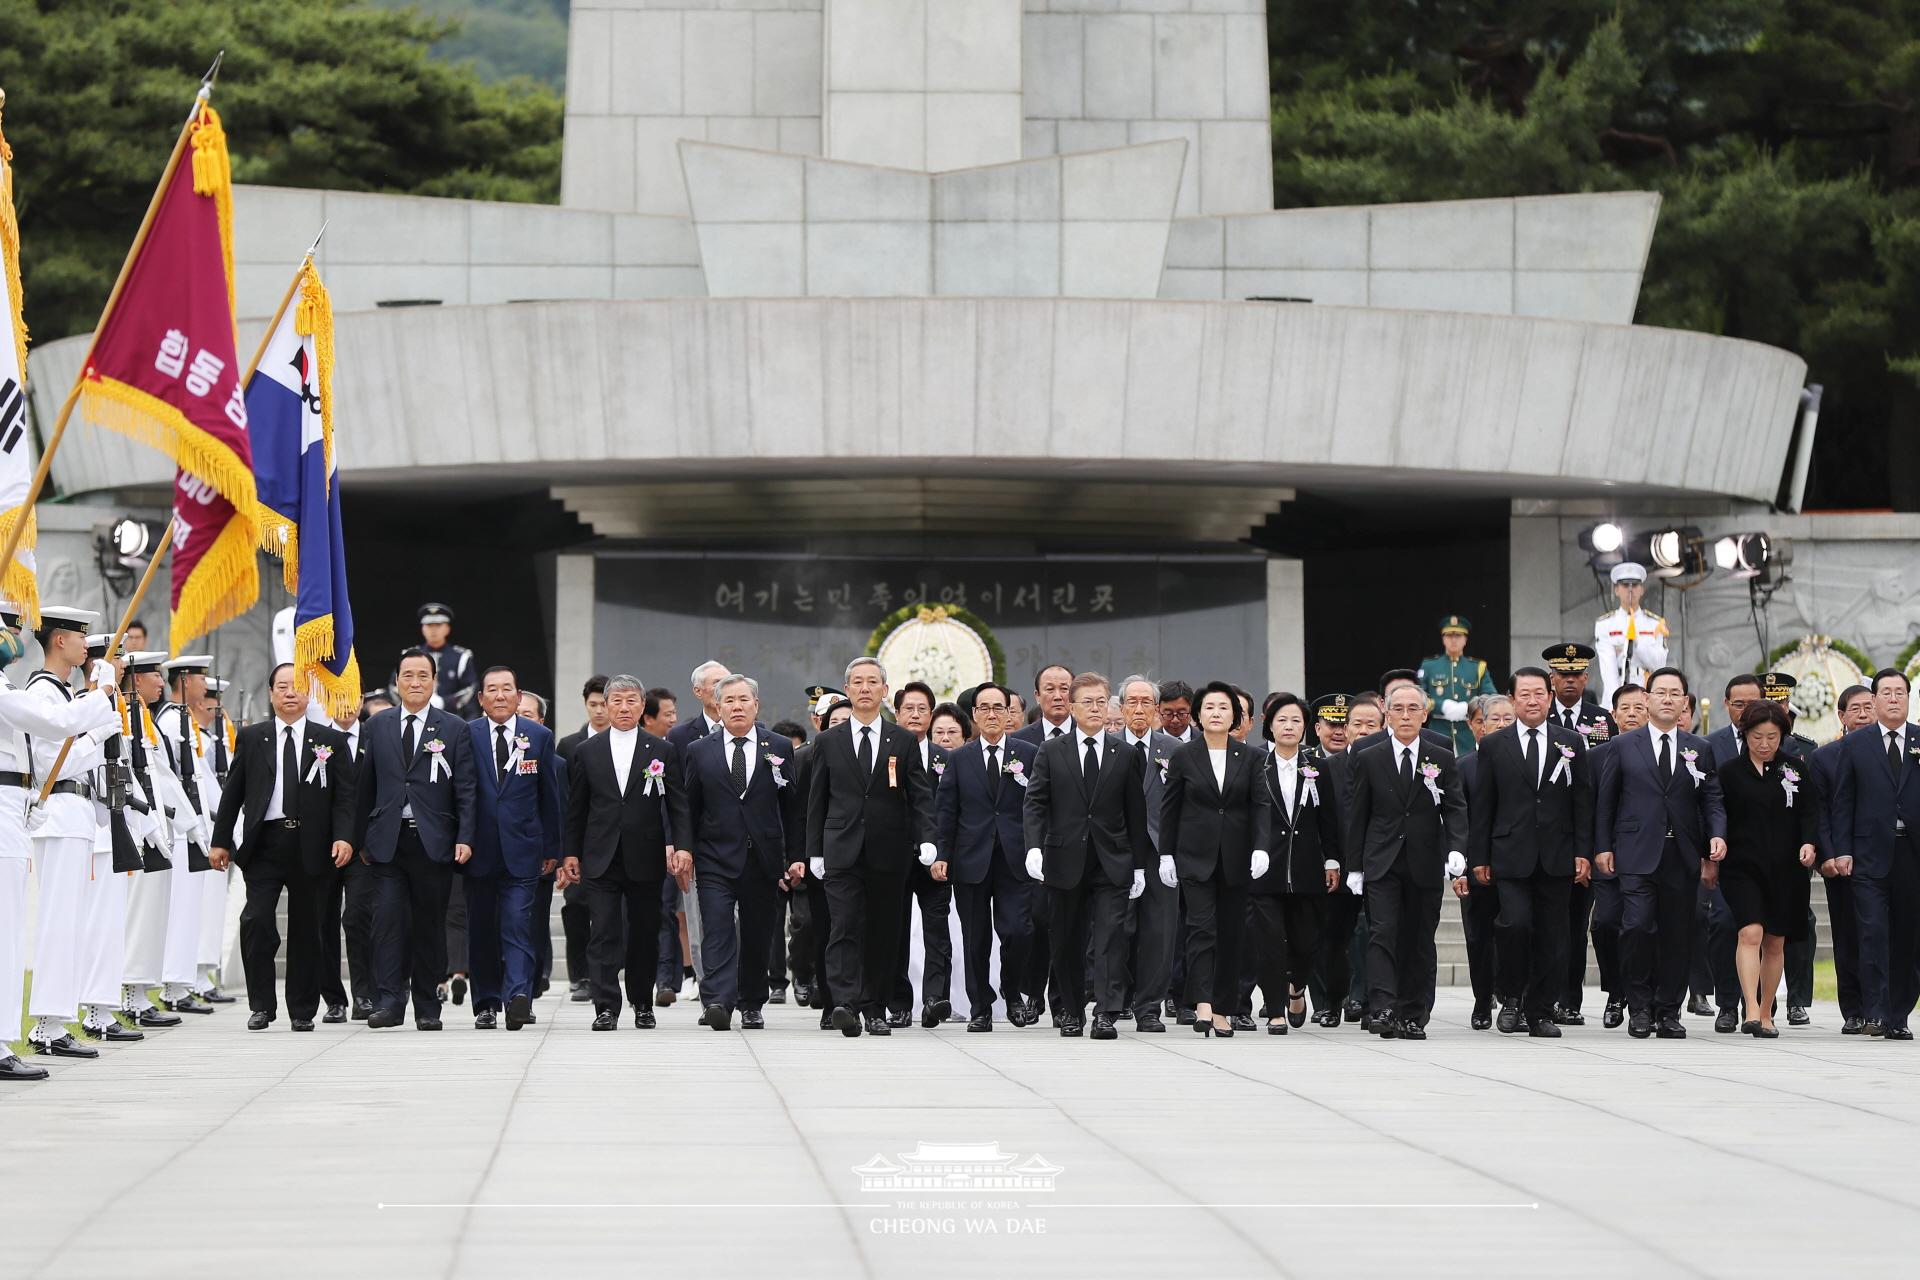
(120, 282)
(279, 313)
(126, 620)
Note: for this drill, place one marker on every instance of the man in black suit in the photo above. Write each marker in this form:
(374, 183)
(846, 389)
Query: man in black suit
(977, 815)
(706, 680)
(348, 910)
(1571, 663)
(416, 813)
(1856, 713)
(1407, 826)
(913, 711)
(869, 807)
(295, 778)
(1480, 908)
(575, 921)
(1389, 681)
(627, 831)
(1657, 815)
(1157, 916)
(1531, 831)
(1085, 824)
(1052, 688)
(747, 819)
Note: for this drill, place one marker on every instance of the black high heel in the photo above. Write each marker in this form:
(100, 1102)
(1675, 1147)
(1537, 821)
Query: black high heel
(1225, 1033)
(1296, 1018)
(1750, 1027)
(1204, 1026)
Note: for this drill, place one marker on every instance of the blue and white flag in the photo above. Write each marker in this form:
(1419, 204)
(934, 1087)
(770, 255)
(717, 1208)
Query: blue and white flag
(289, 415)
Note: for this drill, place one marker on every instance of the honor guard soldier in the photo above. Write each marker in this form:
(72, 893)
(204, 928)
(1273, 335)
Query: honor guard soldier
(1629, 642)
(220, 738)
(1778, 686)
(188, 745)
(1452, 679)
(1570, 663)
(456, 685)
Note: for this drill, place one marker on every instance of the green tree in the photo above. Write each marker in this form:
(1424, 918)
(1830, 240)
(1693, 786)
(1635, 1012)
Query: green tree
(328, 93)
(501, 39)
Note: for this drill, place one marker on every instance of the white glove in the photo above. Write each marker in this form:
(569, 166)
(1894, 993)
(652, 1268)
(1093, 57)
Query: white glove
(928, 855)
(1168, 876)
(1355, 879)
(1035, 865)
(1139, 885)
(36, 816)
(1456, 865)
(101, 673)
(818, 866)
(1259, 863)
(1454, 710)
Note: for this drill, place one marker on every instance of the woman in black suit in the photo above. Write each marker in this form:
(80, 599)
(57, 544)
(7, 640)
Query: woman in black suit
(1289, 900)
(1214, 816)
(1771, 831)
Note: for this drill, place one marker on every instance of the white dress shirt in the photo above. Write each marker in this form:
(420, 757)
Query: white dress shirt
(276, 808)
(1289, 769)
(874, 739)
(623, 741)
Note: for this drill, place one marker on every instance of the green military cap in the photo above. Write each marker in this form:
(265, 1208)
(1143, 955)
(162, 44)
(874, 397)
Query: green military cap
(1569, 659)
(1777, 686)
(1331, 707)
(1454, 622)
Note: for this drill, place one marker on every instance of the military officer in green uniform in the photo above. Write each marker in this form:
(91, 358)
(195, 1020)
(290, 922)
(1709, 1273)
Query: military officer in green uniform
(1452, 679)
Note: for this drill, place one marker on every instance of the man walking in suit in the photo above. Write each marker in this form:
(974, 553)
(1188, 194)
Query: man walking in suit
(1052, 688)
(977, 815)
(1086, 834)
(706, 680)
(1156, 913)
(347, 910)
(1876, 834)
(1531, 830)
(516, 841)
(295, 779)
(913, 710)
(1857, 712)
(574, 921)
(1658, 812)
(869, 807)
(1408, 829)
(746, 816)
(627, 832)
(416, 823)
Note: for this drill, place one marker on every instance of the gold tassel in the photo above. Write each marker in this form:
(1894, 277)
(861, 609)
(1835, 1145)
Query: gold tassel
(313, 647)
(279, 536)
(313, 317)
(107, 402)
(224, 585)
(213, 176)
(19, 583)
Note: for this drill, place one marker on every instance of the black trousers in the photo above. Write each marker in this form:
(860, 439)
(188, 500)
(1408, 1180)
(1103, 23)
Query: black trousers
(1002, 904)
(1333, 973)
(1606, 936)
(1886, 915)
(1799, 958)
(457, 927)
(863, 941)
(348, 910)
(1657, 914)
(777, 944)
(1156, 933)
(1722, 940)
(1285, 929)
(1216, 923)
(1087, 930)
(820, 930)
(410, 927)
(1532, 931)
(801, 959)
(272, 867)
(1479, 912)
(1846, 945)
(936, 905)
(1402, 918)
(542, 934)
(624, 919)
(576, 925)
(734, 955)
(1580, 899)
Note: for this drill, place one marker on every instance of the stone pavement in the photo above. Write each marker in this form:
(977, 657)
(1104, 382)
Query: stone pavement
(212, 1152)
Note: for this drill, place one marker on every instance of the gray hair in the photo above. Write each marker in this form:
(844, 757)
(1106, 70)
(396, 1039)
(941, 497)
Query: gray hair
(621, 684)
(1480, 704)
(539, 702)
(1137, 678)
(753, 686)
(863, 662)
(705, 668)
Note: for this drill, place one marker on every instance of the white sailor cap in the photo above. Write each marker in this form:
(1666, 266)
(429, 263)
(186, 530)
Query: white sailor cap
(188, 664)
(10, 610)
(142, 661)
(60, 617)
(216, 685)
(1628, 571)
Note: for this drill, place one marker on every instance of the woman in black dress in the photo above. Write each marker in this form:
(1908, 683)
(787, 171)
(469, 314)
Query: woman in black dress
(1214, 817)
(1771, 829)
(1290, 899)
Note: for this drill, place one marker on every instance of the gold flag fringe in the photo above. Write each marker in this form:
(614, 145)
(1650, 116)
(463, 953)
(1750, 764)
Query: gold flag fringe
(221, 587)
(19, 583)
(10, 250)
(119, 406)
(313, 646)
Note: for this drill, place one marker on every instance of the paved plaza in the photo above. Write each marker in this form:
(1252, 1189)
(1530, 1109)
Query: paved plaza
(556, 1151)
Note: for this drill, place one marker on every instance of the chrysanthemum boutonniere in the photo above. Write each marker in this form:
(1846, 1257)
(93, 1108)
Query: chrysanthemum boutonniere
(1430, 774)
(1691, 757)
(1563, 768)
(656, 779)
(1789, 783)
(774, 762)
(1017, 771)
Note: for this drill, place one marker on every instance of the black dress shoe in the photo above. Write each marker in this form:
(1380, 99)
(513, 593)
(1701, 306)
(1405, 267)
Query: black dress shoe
(1509, 1021)
(1565, 1017)
(605, 1020)
(258, 1021)
(1616, 1014)
(826, 1022)
(899, 1018)
(752, 1020)
(459, 986)
(984, 1022)
(777, 996)
(936, 1013)
(1411, 1030)
(664, 996)
(1671, 1028)
(1125, 1015)
(519, 1012)
(1726, 1022)
(301, 1024)
(1243, 1022)
(486, 1020)
(1872, 1028)
(1184, 1017)
(1071, 1027)
(1328, 1018)
(1383, 1026)
(1172, 1009)
(151, 1017)
(1797, 1015)
(1482, 1014)
(188, 1005)
(802, 995)
(426, 1024)
(217, 996)
(880, 1026)
(1899, 1033)
(11, 1068)
(1544, 1028)
(578, 993)
(1366, 1023)
(1103, 1028)
(846, 1020)
(440, 994)
(643, 1019)
(717, 1017)
(64, 1046)
(1640, 1025)
(336, 1013)
(362, 1009)
(114, 1033)
(1699, 1007)
(1017, 1013)
(1852, 1026)
(1149, 1021)
(1353, 1011)
(379, 1018)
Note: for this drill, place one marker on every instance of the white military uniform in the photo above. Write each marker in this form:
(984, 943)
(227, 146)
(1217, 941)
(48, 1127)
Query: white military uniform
(1627, 646)
(210, 953)
(179, 964)
(23, 713)
(150, 894)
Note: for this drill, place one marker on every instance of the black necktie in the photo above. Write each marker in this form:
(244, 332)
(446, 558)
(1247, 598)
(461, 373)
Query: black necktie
(1666, 757)
(289, 778)
(1057, 731)
(1406, 767)
(1093, 764)
(866, 750)
(993, 771)
(1532, 756)
(500, 749)
(1893, 751)
(407, 740)
(740, 765)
